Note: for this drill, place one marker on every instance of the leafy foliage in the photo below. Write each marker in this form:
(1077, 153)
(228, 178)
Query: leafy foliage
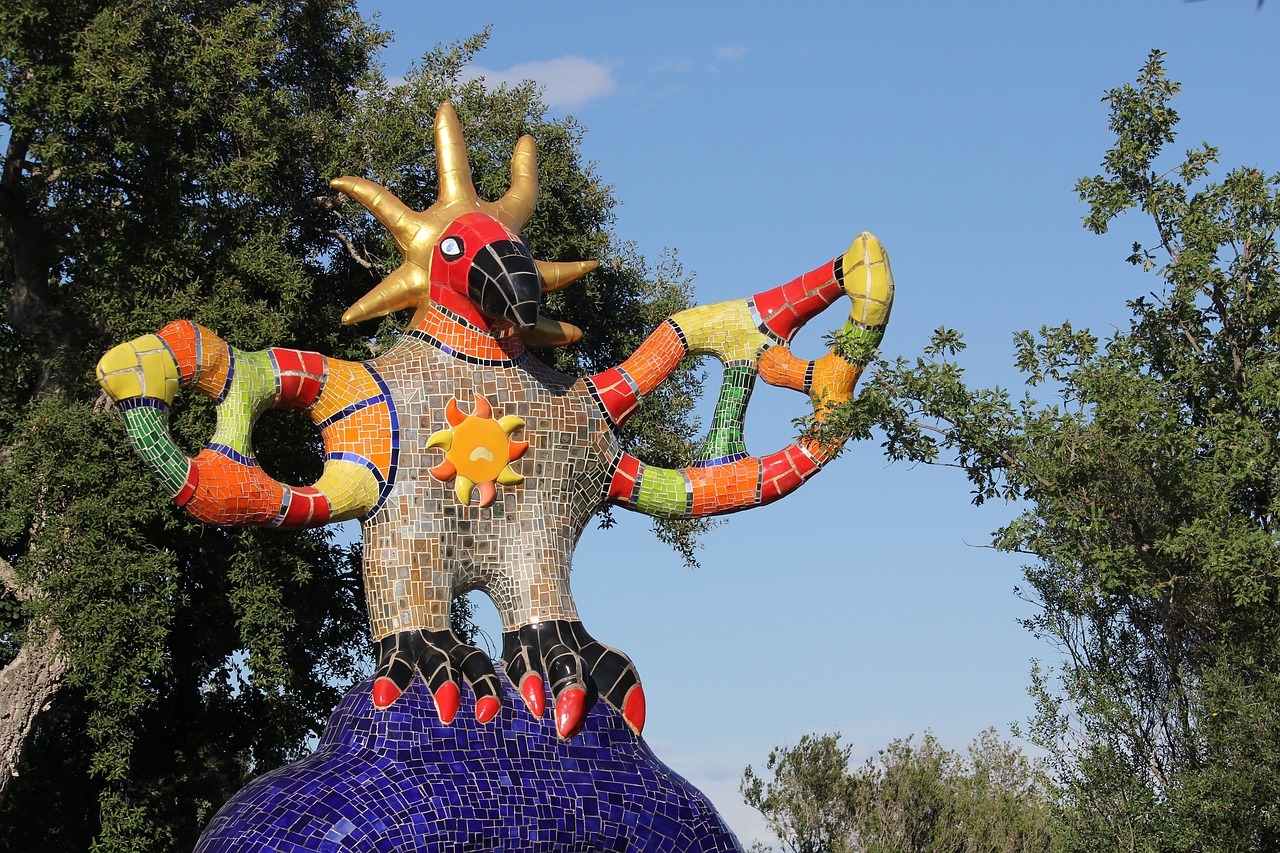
(1150, 485)
(919, 797)
(172, 159)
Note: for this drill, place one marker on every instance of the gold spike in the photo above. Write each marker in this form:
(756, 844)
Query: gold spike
(396, 216)
(408, 285)
(508, 476)
(514, 209)
(510, 423)
(451, 158)
(558, 274)
(550, 333)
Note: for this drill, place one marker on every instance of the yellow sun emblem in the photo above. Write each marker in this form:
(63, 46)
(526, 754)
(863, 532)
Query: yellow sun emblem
(479, 451)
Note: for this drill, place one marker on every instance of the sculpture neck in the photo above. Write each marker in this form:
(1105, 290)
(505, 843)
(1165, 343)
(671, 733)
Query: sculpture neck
(461, 336)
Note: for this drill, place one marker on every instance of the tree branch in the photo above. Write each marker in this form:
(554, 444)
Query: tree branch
(351, 249)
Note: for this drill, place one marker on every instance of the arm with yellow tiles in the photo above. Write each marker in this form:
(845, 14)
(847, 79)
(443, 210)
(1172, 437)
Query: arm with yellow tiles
(751, 337)
(224, 484)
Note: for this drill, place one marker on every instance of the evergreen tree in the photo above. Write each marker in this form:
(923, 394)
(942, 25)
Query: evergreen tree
(171, 159)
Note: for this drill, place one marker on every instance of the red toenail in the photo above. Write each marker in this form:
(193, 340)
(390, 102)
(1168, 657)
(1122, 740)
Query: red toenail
(534, 693)
(569, 716)
(447, 702)
(385, 692)
(487, 708)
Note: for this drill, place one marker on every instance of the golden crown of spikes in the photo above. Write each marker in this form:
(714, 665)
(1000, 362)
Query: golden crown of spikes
(417, 232)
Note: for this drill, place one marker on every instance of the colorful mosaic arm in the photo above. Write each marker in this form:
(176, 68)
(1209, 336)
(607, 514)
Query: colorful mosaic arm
(751, 337)
(224, 484)
(472, 465)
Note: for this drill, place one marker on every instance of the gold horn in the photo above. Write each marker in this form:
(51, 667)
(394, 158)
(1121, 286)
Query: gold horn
(558, 274)
(402, 221)
(406, 287)
(451, 159)
(514, 209)
(548, 333)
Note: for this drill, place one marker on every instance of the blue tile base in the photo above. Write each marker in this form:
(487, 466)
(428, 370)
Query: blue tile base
(399, 780)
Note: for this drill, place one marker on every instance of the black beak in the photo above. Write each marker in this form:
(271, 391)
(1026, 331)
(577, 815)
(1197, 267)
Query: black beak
(504, 283)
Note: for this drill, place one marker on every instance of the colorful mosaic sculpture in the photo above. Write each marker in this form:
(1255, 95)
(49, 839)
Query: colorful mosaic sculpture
(472, 464)
(397, 779)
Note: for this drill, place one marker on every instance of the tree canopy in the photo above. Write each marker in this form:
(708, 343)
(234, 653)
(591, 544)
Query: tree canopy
(169, 160)
(910, 796)
(1146, 467)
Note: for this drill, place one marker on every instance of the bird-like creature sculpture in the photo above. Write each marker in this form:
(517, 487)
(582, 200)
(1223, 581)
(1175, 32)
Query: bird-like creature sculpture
(473, 465)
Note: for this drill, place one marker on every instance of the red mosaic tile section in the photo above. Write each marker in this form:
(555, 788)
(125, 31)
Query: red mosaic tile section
(189, 487)
(624, 479)
(617, 396)
(301, 375)
(784, 471)
(785, 309)
(308, 507)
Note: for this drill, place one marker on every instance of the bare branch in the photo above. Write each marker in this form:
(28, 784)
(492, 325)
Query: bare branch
(351, 249)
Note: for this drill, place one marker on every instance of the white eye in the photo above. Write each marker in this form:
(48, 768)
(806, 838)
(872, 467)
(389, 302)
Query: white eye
(451, 248)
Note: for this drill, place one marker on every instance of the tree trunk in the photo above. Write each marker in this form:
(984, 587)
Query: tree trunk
(27, 686)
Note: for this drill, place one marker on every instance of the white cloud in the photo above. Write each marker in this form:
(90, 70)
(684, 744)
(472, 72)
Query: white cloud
(566, 81)
(694, 65)
(681, 65)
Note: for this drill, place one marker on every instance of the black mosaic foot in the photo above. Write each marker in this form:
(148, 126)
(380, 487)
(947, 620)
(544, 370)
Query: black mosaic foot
(580, 669)
(441, 658)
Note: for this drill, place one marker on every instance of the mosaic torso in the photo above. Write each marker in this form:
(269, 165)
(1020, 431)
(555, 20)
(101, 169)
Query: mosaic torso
(423, 545)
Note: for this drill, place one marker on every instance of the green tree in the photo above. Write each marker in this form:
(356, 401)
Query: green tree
(910, 797)
(172, 159)
(1152, 507)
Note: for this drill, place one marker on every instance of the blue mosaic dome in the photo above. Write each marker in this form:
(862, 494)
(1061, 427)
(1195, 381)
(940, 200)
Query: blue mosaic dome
(399, 780)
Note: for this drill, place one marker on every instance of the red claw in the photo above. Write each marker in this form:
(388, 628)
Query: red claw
(633, 709)
(569, 716)
(534, 694)
(385, 692)
(487, 708)
(447, 702)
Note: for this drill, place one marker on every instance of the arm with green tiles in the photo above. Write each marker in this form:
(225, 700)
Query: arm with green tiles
(224, 484)
(752, 338)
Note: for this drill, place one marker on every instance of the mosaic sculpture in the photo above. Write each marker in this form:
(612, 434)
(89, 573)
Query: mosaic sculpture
(473, 465)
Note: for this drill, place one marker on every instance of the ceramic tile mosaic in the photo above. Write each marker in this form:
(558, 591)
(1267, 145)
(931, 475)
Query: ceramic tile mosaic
(474, 466)
(398, 780)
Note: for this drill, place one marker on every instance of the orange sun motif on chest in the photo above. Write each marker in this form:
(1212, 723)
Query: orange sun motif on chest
(479, 451)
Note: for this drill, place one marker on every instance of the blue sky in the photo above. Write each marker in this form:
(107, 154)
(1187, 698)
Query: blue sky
(759, 139)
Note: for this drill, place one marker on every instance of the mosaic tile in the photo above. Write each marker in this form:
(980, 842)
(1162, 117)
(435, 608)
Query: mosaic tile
(398, 780)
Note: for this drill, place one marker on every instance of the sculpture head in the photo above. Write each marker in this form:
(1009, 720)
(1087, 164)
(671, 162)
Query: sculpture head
(465, 254)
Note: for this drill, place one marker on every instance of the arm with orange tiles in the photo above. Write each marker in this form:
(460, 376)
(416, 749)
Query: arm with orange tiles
(751, 338)
(224, 484)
